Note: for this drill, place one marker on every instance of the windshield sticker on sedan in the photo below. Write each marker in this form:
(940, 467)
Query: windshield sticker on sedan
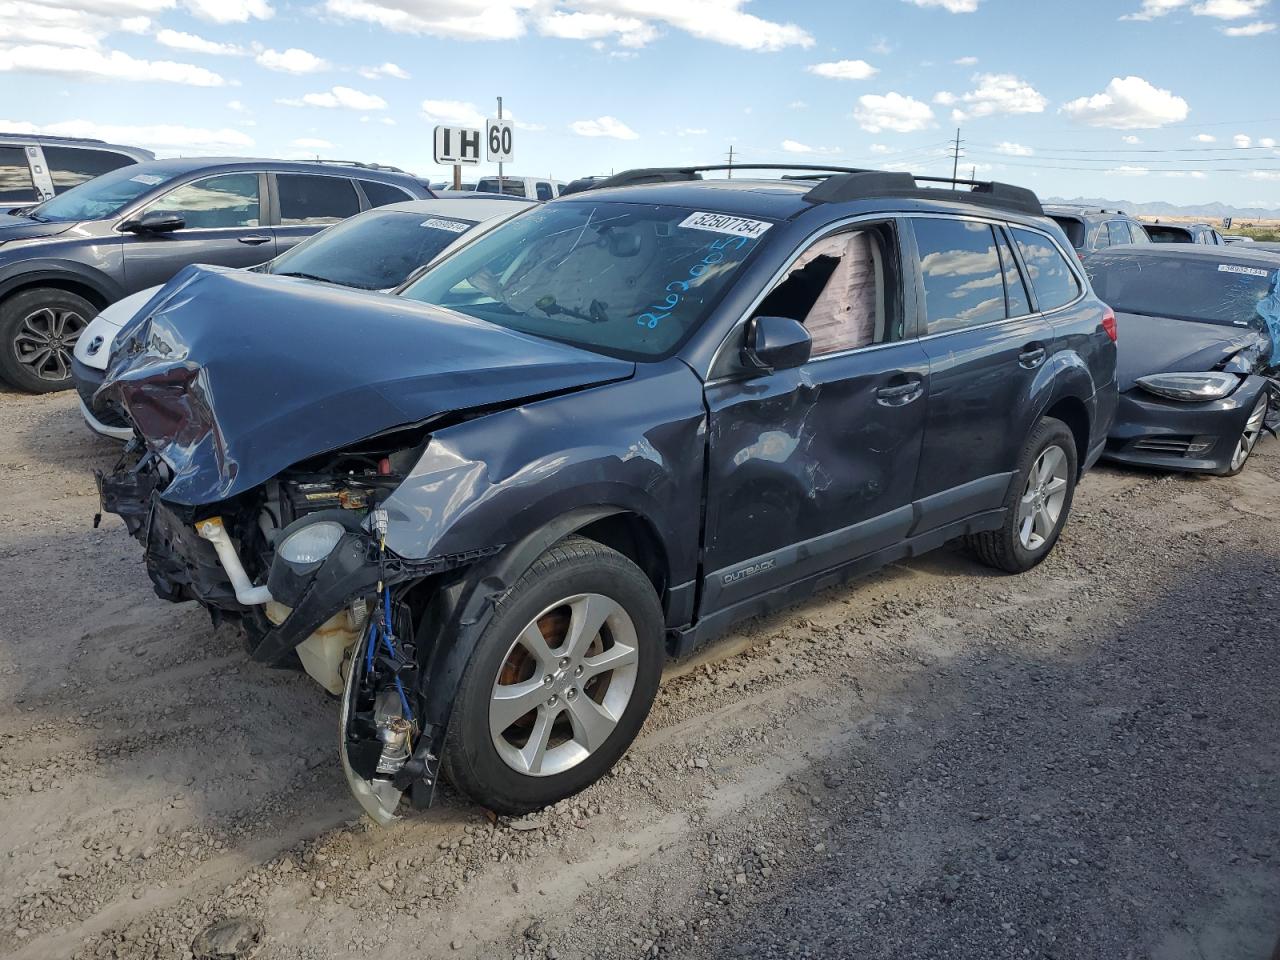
(1247, 271)
(720, 223)
(453, 226)
(150, 179)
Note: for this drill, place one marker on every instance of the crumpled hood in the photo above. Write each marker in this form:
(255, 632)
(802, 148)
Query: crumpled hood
(1163, 345)
(24, 228)
(232, 376)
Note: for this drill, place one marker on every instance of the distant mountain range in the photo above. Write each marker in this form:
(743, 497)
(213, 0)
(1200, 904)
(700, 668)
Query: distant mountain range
(1209, 211)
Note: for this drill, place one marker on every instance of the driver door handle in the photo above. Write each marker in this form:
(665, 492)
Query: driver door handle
(1032, 355)
(900, 394)
(254, 240)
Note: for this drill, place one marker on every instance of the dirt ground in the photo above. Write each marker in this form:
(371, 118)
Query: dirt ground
(1080, 763)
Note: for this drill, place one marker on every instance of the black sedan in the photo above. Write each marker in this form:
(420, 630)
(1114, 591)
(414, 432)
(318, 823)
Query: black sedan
(1199, 332)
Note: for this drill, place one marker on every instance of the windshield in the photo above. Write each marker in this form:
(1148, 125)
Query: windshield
(104, 196)
(626, 279)
(372, 251)
(1184, 288)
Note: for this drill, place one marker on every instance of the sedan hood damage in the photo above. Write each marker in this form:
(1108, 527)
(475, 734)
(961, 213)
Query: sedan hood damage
(233, 376)
(1165, 345)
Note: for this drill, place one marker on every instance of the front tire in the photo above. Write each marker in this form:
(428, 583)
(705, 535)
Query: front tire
(1249, 437)
(1038, 502)
(38, 332)
(560, 682)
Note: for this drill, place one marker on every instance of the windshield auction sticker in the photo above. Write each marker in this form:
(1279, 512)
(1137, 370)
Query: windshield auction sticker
(1247, 271)
(150, 179)
(453, 226)
(722, 223)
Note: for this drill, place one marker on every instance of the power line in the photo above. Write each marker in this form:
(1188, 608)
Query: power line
(1014, 158)
(1115, 150)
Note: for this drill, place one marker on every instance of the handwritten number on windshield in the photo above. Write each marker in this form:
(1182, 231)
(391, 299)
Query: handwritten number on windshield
(676, 289)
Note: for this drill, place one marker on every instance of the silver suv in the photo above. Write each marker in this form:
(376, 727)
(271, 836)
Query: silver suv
(34, 168)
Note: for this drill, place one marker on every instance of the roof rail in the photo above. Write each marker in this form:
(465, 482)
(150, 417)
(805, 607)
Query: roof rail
(842, 184)
(50, 136)
(363, 166)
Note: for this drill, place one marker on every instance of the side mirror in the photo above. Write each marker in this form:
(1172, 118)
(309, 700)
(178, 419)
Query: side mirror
(777, 343)
(157, 221)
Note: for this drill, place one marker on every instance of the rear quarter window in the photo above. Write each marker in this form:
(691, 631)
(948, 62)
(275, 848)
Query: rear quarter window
(16, 185)
(1073, 228)
(1054, 282)
(380, 194)
(69, 166)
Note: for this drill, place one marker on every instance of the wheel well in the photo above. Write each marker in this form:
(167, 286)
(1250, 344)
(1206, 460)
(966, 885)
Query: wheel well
(1072, 412)
(68, 284)
(635, 539)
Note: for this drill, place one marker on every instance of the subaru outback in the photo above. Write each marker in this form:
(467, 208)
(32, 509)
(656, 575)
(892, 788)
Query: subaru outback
(485, 511)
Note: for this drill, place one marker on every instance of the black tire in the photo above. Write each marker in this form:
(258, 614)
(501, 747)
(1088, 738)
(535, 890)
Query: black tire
(573, 566)
(1003, 549)
(45, 315)
(1232, 468)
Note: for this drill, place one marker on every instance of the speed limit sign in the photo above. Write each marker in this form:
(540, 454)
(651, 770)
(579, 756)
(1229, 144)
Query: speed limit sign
(498, 141)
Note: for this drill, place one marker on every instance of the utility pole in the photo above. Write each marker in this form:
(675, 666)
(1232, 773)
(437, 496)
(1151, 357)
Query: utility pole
(499, 163)
(955, 160)
(973, 173)
(731, 161)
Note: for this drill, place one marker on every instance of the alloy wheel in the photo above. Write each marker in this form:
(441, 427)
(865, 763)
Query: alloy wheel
(564, 685)
(1041, 505)
(45, 340)
(1251, 434)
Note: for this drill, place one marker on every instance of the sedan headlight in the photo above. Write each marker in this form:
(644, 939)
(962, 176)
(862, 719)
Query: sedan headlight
(1191, 387)
(312, 543)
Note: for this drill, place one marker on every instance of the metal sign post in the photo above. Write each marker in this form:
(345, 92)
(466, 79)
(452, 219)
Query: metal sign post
(500, 190)
(499, 147)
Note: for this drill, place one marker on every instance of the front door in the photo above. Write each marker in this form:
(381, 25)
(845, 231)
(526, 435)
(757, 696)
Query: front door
(812, 467)
(987, 352)
(222, 218)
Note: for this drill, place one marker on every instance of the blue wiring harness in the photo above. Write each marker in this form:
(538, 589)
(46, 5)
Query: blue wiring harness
(381, 626)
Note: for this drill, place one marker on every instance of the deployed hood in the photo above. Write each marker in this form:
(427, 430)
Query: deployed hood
(1162, 345)
(233, 376)
(24, 228)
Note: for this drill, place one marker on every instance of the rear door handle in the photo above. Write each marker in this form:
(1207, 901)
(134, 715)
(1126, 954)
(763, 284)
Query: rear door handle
(254, 240)
(1032, 355)
(900, 394)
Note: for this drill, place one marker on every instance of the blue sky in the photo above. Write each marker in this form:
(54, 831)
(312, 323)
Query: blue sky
(1117, 98)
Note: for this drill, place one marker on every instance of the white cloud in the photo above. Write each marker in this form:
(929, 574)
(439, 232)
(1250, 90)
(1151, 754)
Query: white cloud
(135, 24)
(1013, 149)
(1151, 9)
(1127, 171)
(604, 127)
(633, 22)
(1242, 140)
(1267, 142)
(1204, 138)
(797, 105)
(292, 60)
(951, 6)
(338, 97)
(892, 111)
(452, 113)
(795, 146)
(691, 132)
(93, 64)
(996, 93)
(1128, 103)
(843, 69)
(1255, 29)
(1185, 174)
(965, 61)
(165, 138)
(881, 47)
(1228, 9)
(1131, 139)
(1263, 174)
(230, 11)
(312, 143)
(879, 148)
(189, 41)
(384, 70)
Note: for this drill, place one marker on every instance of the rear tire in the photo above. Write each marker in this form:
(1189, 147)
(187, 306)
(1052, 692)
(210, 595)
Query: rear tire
(1038, 502)
(560, 682)
(38, 332)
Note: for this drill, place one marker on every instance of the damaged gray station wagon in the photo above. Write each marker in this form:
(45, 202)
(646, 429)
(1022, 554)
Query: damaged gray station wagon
(485, 511)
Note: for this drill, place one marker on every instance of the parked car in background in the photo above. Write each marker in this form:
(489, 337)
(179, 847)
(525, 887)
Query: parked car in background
(1199, 329)
(35, 168)
(374, 250)
(1200, 233)
(597, 437)
(535, 188)
(65, 259)
(1093, 228)
(1236, 238)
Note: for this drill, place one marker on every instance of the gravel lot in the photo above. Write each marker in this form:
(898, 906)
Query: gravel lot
(938, 762)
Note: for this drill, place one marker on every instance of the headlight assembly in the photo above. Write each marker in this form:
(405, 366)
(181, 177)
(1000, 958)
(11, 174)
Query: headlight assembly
(311, 543)
(1190, 387)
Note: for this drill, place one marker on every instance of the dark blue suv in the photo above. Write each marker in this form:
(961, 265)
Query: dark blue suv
(65, 259)
(595, 438)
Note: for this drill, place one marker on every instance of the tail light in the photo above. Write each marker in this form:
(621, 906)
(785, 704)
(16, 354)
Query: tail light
(1109, 323)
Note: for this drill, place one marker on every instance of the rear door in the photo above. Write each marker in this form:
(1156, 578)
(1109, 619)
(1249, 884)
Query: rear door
(223, 216)
(306, 203)
(986, 347)
(812, 467)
